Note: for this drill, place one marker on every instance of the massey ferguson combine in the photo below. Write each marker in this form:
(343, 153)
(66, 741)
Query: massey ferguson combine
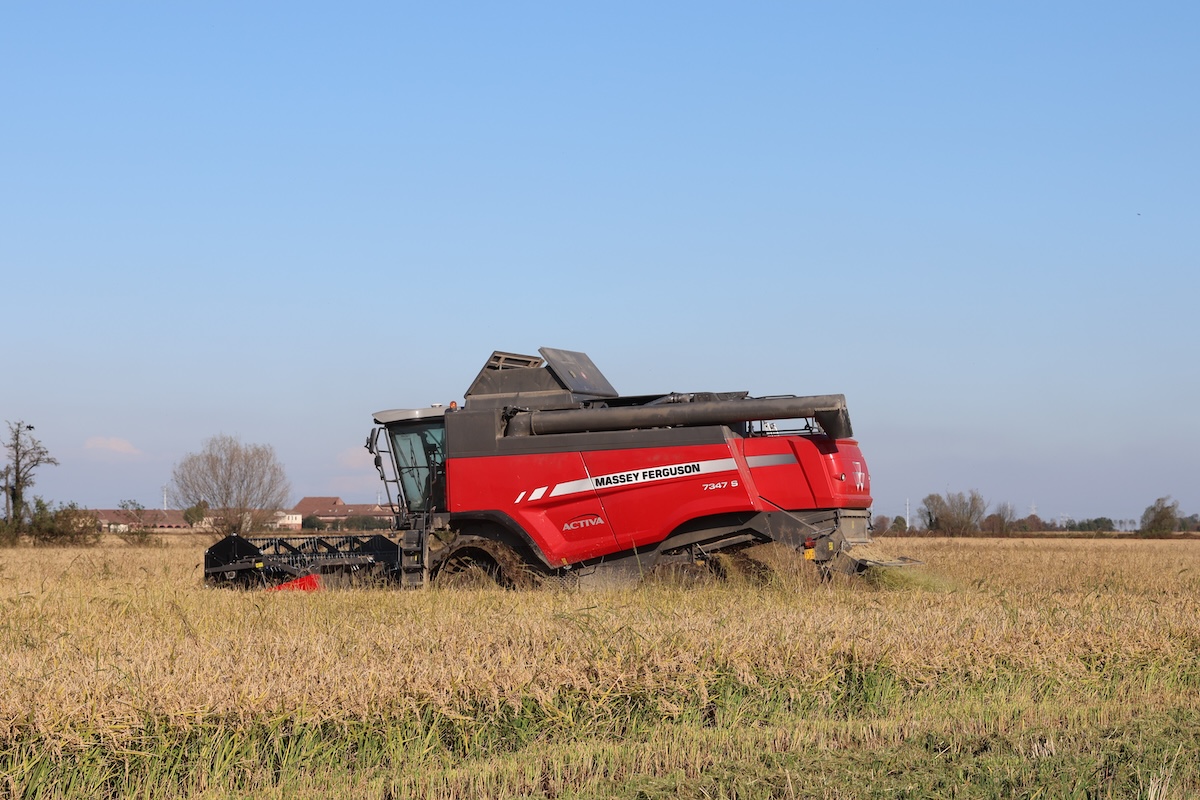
(547, 473)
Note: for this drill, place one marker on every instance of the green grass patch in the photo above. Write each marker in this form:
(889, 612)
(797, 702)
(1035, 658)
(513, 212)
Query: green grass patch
(728, 754)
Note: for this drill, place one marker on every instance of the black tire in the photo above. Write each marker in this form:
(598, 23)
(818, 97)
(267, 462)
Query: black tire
(468, 569)
(476, 562)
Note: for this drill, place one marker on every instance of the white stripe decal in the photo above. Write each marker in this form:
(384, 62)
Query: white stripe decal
(645, 475)
(770, 461)
(572, 487)
(519, 497)
(651, 475)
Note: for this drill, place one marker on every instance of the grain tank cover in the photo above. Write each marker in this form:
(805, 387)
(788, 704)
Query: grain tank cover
(576, 372)
(569, 376)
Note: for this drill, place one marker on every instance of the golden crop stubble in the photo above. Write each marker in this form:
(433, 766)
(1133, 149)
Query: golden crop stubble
(105, 639)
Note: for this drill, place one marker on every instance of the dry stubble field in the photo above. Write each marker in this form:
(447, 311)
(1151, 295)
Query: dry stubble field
(1003, 668)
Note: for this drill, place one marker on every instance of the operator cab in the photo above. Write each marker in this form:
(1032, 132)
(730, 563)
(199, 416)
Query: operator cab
(417, 440)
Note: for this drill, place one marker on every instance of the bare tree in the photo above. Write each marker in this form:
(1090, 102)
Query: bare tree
(25, 455)
(1006, 515)
(1162, 517)
(955, 513)
(243, 485)
(930, 514)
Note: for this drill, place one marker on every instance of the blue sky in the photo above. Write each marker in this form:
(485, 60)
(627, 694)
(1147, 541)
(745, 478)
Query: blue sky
(978, 221)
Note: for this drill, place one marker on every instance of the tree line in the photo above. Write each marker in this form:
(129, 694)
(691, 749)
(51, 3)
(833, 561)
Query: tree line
(967, 514)
(231, 487)
(35, 518)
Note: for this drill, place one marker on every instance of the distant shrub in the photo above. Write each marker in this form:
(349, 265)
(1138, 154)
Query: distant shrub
(65, 524)
(312, 523)
(364, 522)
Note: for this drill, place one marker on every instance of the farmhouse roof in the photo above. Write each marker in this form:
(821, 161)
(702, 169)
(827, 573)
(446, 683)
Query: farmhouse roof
(316, 505)
(147, 518)
(333, 508)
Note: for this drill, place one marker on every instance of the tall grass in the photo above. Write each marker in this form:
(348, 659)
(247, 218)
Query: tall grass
(1066, 667)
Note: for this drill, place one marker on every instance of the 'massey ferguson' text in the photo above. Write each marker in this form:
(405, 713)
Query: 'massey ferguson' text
(645, 475)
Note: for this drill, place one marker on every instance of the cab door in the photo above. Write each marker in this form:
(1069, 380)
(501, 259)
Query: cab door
(419, 449)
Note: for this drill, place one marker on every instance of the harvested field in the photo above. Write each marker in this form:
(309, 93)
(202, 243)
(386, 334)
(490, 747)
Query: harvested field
(1059, 668)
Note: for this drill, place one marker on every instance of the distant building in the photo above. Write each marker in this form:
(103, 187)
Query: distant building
(287, 521)
(334, 513)
(330, 510)
(120, 520)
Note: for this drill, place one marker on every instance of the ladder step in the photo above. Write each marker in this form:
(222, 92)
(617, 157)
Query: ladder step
(412, 558)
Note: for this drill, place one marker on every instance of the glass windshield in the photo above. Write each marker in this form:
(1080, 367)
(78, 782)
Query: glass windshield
(420, 462)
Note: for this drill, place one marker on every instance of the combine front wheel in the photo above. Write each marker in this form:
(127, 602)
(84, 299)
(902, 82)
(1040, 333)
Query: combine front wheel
(477, 562)
(468, 569)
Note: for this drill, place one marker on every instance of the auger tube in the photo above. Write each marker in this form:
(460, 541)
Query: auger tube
(829, 410)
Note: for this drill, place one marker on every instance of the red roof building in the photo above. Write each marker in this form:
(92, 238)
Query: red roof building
(120, 520)
(332, 511)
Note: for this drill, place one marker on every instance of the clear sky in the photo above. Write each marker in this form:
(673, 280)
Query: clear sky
(979, 221)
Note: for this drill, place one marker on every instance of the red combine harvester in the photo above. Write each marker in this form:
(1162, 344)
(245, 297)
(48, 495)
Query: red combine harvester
(546, 472)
